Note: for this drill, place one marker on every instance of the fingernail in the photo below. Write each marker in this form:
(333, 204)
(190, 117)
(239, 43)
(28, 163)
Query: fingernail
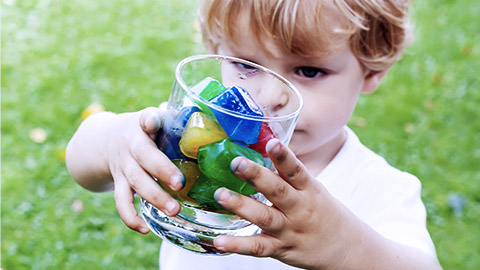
(154, 122)
(220, 242)
(177, 182)
(273, 146)
(222, 195)
(144, 230)
(238, 164)
(170, 207)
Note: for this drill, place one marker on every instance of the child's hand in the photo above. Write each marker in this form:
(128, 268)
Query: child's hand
(306, 226)
(133, 160)
(301, 228)
(120, 147)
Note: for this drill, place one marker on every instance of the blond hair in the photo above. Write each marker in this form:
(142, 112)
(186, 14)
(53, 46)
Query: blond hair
(377, 31)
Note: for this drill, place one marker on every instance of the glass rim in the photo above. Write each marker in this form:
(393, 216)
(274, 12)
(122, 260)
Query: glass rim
(182, 83)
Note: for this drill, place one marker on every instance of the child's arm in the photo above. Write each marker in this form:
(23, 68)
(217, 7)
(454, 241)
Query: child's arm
(116, 151)
(307, 227)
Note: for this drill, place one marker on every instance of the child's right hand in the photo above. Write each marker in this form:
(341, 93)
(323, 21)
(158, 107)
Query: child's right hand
(120, 147)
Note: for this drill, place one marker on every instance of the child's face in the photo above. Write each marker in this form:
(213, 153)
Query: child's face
(329, 86)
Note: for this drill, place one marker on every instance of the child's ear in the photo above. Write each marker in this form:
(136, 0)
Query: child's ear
(373, 80)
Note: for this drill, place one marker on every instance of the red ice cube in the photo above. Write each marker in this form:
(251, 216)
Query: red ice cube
(265, 135)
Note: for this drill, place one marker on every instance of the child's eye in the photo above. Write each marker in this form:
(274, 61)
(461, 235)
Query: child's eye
(245, 69)
(244, 66)
(310, 72)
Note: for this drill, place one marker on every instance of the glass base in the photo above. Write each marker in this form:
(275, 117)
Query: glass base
(194, 229)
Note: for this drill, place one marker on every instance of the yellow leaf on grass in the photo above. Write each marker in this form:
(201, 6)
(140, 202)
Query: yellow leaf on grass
(93, 108)
(61, 154)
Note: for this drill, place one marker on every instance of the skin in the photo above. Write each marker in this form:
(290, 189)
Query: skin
(306, 226)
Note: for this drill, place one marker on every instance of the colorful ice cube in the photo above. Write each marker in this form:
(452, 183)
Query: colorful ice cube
(266, 134)
(214, 162)
(201, 129)
(208, 88)
(237, 100)
(173, 127)
(203, 193)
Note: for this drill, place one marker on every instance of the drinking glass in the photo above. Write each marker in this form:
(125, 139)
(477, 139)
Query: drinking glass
(220, 107)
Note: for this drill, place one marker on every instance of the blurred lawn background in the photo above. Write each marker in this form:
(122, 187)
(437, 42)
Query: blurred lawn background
(59, 57)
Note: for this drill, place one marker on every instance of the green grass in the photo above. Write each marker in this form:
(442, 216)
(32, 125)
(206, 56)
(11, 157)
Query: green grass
(60, 56)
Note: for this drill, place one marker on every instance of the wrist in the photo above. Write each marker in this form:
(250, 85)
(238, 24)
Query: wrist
(346, 244)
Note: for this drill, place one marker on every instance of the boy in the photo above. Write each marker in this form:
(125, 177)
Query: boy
(336, 204)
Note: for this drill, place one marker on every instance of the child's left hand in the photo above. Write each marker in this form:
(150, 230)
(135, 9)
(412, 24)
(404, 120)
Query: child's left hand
(304, 227)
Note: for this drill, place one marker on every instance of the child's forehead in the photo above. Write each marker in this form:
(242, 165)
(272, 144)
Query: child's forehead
(245, 45)
(276, 57)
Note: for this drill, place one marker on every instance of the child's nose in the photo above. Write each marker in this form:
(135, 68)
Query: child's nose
(273, 97)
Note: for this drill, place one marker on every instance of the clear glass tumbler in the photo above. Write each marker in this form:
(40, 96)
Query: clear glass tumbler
(220, 107)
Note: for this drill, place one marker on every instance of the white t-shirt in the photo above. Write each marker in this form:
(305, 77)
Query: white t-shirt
(384, 197)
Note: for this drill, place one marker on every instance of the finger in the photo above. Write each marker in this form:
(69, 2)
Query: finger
(150, 190)
(287, 165)
(275, 189)
(124, 202)
(151, 120)
(267, 218)
(152, 160)
(260, 245)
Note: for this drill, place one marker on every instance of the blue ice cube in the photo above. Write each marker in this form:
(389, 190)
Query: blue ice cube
(238, 100)
(171, 133)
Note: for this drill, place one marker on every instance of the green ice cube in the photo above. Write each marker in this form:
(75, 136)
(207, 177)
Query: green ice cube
(207, 89)
(214, 162)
